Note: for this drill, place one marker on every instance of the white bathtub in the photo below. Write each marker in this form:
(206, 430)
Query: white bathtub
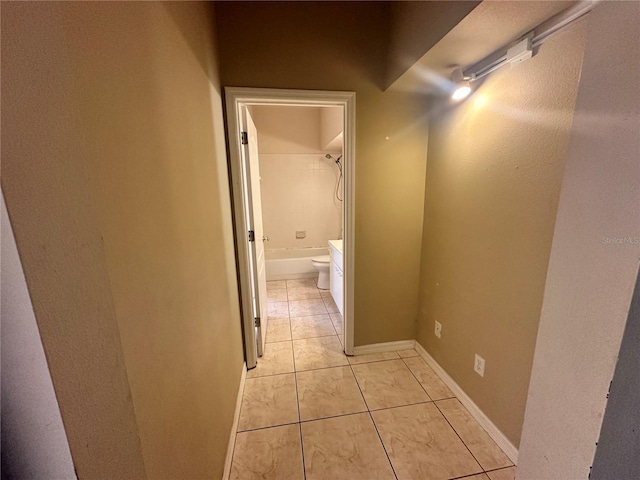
(283, 264)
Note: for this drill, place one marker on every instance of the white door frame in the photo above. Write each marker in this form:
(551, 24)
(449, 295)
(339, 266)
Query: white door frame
(235, 99)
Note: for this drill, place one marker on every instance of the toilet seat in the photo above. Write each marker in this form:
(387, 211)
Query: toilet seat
(321, 259)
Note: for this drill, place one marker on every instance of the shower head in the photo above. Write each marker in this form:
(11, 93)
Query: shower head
(330, 157)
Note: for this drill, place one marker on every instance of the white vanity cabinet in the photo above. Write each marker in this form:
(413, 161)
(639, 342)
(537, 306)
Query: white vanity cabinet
(336, 283)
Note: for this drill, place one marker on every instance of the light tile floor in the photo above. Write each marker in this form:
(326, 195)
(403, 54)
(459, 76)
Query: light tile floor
(310, 412)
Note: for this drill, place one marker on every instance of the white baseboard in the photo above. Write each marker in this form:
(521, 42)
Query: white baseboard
(493, 431)
(384, 347)
(234, 427)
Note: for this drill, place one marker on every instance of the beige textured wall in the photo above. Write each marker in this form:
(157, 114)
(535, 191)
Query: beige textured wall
(342, 46)
(495, 165)
(114, 173)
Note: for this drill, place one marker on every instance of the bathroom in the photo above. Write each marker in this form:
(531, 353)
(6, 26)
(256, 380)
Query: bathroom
(301, 189)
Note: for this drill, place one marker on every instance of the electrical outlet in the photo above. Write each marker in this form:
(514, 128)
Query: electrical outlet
(478, 365)
(438, 330)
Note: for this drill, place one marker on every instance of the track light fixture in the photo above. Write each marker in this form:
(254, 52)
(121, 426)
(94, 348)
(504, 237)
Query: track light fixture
(518, 51)
(462, 87)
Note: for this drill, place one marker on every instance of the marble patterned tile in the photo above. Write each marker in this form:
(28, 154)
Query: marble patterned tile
(408, 353)
(278, 310)
(373, 357)
(302, 308)
(302, 293)
(268, 401)
(388, 384)
(331, 305)
(486, 451)
(268, 454)
(344, 448)
(277, 358)
(422, 445)
(311, 326)
(338, 321)
(276, 285)
(479, 476)
(301, 282)
(326, 294)
(328, 392)
(435, 387)
(341, 338)
(277, 295)
(503, 474)
(321, 352)
(278, 330)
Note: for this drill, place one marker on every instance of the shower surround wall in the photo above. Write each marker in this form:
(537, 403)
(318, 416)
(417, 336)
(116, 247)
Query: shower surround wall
(298, 184)
(298, 195)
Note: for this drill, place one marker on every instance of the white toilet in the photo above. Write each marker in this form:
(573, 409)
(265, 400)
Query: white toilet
(322, 265)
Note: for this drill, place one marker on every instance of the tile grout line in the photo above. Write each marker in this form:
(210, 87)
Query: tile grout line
(443, 415)
(374, 423)
(333, 416)
(317, 336)
(461, 439)
(375, 361)
(402, 406)
(241, 403)
(345, 415)
(269, 426)
(295, 380)
(304, 467)
(416, 378)
(500, 468)
(425, 390)
(463, 442)
(271, 374)
(325, 304)
(295, 371)
(306, 370)
(368, 411)
(233, 455)
(469, 476)
(383, 447)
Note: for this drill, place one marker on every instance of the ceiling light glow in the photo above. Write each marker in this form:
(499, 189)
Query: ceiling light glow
(461, 85)
(462, 91)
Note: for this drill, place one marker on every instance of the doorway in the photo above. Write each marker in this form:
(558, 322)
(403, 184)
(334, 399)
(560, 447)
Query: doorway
(250, 236)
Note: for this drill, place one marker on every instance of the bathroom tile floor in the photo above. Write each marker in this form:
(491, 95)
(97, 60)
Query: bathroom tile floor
(310, 412)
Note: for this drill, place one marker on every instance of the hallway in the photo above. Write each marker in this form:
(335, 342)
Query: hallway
(310, 412)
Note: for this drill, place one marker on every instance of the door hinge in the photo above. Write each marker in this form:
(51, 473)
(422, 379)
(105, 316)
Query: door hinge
(252, 236)
(244, 138)
(256, 321)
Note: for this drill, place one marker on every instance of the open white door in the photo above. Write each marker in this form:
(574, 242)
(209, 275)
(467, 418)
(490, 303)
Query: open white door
(255, 229)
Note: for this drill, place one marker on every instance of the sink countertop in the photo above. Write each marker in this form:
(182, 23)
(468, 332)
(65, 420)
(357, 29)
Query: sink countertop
(337, 244)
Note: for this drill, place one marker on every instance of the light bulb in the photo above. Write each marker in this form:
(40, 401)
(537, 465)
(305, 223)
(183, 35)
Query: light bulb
(463, 89)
